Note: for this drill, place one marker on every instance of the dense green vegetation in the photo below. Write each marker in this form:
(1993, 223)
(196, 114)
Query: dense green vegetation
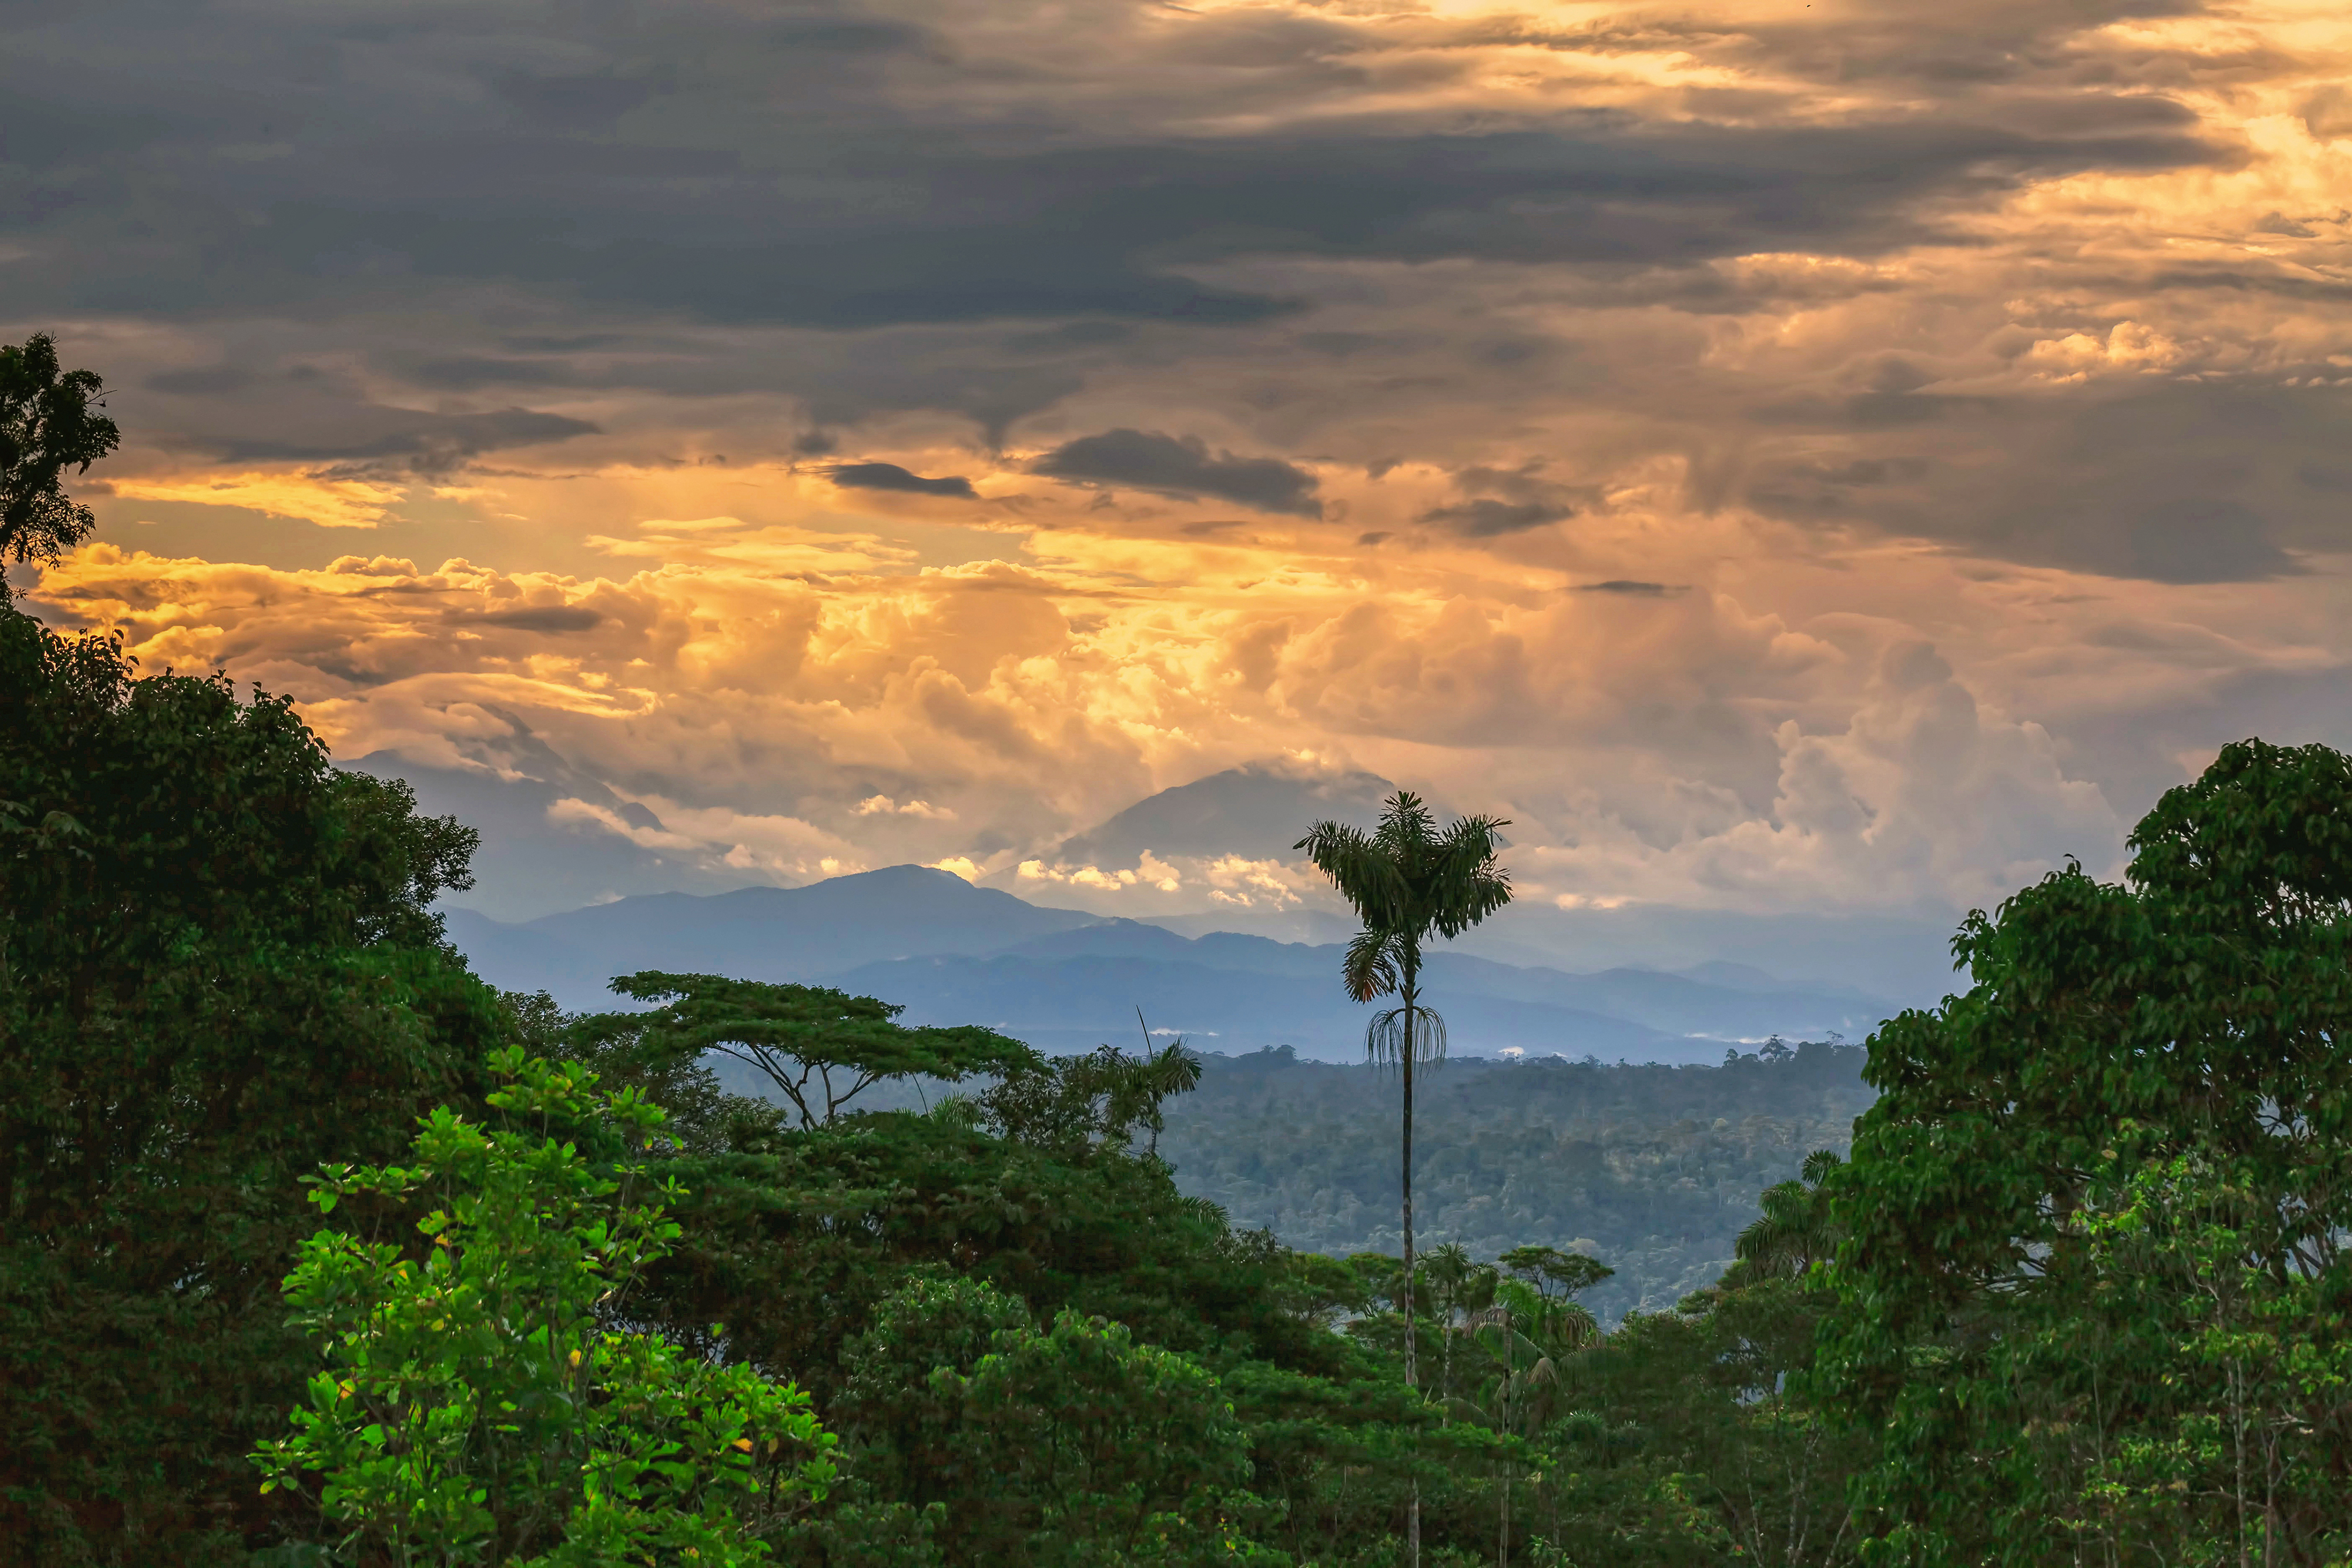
(217, 970)
(2093, 1295)
(317, 1251)
(1657, 1169)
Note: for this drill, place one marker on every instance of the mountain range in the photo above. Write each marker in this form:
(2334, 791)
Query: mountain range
(556, 838)
(1067, 981)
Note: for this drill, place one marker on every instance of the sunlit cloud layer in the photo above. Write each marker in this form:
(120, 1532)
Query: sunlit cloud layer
(1830, 457)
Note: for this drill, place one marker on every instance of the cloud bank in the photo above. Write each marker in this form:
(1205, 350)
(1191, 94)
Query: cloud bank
(1837, 460)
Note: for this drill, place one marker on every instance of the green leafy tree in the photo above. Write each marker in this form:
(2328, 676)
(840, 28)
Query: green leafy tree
(479, 1405)
(820, 1047)
(48, 423)
(1073, 1444)
(2012, 1318)
(1098, 1098)
(1673, 1440)
(219, 967)
(2238, 1463)
(1529, 1322)
(1556, 1277)
(1407, 881)
(794, 1236)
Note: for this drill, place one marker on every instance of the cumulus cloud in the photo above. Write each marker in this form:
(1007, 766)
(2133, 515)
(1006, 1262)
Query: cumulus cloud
(1653, 748)
(873, 804)
(1149, 872)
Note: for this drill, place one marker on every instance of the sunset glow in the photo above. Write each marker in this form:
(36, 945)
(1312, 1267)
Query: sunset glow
(1835, 457)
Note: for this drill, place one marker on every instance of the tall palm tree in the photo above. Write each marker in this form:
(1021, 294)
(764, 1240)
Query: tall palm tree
(1159, 1073)
(1407, 881)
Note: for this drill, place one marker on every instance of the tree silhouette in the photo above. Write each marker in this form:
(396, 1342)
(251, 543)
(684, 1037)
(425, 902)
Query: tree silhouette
(1407, 883)
(47, 423)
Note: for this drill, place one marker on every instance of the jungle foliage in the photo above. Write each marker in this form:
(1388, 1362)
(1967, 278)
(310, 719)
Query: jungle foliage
(218, 970)
(1655, 1168)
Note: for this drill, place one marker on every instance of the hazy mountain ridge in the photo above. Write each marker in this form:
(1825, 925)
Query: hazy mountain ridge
(1065, 980)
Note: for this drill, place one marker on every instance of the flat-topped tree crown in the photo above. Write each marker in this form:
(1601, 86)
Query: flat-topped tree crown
(1552, 1271)
(819, 1047)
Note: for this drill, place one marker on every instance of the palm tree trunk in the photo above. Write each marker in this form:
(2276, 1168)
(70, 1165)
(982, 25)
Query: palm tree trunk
(1411, 1379)
(1445, 1328)
(1510, 1347)
(1503, 1557)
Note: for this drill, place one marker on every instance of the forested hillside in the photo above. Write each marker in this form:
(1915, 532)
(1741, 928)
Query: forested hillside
(1655, 1169)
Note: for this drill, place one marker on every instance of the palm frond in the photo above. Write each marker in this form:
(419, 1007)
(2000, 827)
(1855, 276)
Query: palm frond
(1385, 1042)
(1406, 822)
(1369, 969)
(1464, 881)
(1174, 1069)
(1360, 868)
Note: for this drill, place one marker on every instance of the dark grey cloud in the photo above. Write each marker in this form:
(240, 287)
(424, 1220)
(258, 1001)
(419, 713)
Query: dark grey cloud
(472, 373)
(205, 381)
(891, 477)
(544, 618)
(512, 206)
(426, 444)
(1506, 500)
(1627, 587)
(944, 234)
(1487, 518)
(1148, 460)
(253, 410)
(750, 167)
(2184, 482)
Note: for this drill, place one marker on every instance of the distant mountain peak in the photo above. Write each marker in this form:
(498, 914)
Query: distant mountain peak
(1258, 811)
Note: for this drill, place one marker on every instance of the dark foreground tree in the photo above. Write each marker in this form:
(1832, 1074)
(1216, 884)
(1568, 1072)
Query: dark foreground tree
(1407, 883)
(2091, 1242)
(48, 423)
(1073, 1444)
(218, 967)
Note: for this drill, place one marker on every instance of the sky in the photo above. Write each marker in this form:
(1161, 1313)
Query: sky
(1829, 460)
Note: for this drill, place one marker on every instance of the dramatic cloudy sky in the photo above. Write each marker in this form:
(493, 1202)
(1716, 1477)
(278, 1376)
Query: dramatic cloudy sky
(1830, 458)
